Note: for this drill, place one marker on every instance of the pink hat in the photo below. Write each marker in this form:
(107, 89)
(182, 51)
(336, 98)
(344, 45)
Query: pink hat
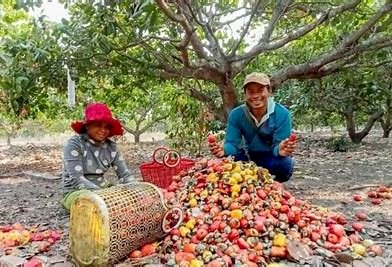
(98, 112)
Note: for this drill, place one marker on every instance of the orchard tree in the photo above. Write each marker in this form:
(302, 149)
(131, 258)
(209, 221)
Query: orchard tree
(30, 62)
(190, 120)
(383, 79)
(356, 97)
(215, 41)
(29, 65)
(138, 102)
(386, 119)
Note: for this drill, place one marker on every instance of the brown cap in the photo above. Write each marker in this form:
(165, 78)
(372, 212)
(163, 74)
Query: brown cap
(257, 77)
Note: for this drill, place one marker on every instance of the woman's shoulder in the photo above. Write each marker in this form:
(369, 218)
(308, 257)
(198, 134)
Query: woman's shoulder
(74, 140)
(111, 144)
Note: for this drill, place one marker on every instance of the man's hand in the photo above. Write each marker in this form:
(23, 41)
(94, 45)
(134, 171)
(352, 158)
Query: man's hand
(287, 147)
(216, 149)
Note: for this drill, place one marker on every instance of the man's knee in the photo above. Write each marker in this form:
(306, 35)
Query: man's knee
(241, 156)
(283, 169)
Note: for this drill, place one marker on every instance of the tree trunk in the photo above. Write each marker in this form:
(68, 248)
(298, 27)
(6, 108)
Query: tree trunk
(229, 96)
(386, 133)
(356, 137)
(137, 137)
(386, 124)
(136, 133)
(386, 121)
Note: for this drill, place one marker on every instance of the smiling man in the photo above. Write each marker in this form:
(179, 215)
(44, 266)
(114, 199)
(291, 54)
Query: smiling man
(259, 130)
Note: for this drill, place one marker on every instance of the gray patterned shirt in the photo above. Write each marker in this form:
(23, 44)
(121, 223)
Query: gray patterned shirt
(85, 163)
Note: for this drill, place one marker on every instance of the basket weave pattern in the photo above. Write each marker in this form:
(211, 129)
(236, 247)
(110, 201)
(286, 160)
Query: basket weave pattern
(130, 216)
(136, 214)
(162, 175)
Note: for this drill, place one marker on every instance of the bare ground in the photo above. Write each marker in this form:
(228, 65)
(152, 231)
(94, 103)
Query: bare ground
(321, 176)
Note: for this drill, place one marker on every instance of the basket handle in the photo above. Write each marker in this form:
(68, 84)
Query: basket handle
(169, 212)
(168, 158)
(156, 153)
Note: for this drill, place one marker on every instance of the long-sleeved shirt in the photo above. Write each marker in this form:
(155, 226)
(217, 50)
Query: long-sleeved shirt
(276, 124)
(86, 161)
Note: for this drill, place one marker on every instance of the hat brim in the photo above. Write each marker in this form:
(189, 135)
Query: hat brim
(115, 126)
(255, 81)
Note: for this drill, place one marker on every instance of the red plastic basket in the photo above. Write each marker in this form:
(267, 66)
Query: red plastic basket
(160, 170)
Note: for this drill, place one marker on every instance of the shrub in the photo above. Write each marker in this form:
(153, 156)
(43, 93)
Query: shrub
(338, 144)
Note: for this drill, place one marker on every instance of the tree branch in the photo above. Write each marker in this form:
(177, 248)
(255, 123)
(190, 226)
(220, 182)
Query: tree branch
(129, 130)
(204, 73)
(315, 68)
(166, 10)
(160, 38)
(230, 21)
(208, 31)
(197, 94)
(276, 15)
(224, 13)
(152, 122)
(112, 48)
(142, 117)
(376, 64)
(181, 19)
(245, 30)
(162, 60)
(262, 46)
(372, 119)
(201, 70)
(139, 121)
(355, 36)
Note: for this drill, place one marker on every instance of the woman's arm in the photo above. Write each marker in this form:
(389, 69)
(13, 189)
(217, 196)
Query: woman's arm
(73, 165)
(121, 169)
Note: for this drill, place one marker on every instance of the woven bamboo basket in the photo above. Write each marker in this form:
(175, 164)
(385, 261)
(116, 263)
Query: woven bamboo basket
(106, 225)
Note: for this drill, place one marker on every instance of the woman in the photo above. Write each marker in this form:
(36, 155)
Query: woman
(90, 153)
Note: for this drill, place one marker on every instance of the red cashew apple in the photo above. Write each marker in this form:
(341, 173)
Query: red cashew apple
(361, 215)
(357, 197)
(292, 137)
(211, 138)
(357, 226)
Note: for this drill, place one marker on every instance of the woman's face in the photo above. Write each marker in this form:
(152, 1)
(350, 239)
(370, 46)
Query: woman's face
(98, 131)
(257, 95)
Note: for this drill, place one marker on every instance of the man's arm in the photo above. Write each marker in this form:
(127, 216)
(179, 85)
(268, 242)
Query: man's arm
(233, 134)
(281, 145)
(232, 140)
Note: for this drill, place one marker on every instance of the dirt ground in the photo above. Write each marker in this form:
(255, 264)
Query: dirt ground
(323, 177)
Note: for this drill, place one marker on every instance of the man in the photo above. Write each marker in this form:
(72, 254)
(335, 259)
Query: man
(264, 125)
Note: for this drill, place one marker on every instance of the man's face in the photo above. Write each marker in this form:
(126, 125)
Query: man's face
(98, 131)
(257, 95)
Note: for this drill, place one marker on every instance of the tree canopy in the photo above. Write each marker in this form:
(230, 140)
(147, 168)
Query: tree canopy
(151, 60)
(215, 41)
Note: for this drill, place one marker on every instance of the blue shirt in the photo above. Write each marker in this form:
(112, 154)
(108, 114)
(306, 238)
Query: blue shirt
(239, 127)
